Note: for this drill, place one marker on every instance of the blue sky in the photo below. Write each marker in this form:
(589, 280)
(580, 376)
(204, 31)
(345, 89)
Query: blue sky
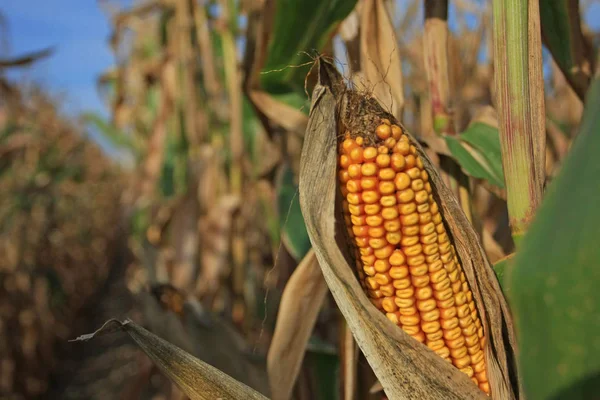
(78, 30)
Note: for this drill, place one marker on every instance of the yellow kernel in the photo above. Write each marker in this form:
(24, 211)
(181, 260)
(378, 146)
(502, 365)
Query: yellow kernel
(409, 241)
(389, 143)
(460, 298)
(392, 226)
(388, 201)
(389, 213)
(372, 209)
(344, 176)
(477, 357)
(401, 283)
(354, 171)
(382, 266)
(417, 269)
(443, 352)
(377, 243)
(397, 258)
(435, 266)
(411, 161)
(354, 198)
(359, 140)
(429, 239)
(408, 208)
(369, 183)
(387, 290)
(371, 196)
(384, 252)
(387, 174)
(356, 209)
(369, 270)
(402, 181)
(427, 229)
(396, 132)
(374, 220)
(426, 305)
(404, 303)
(382, 279)
(348, 145)
(414, 173)
(410, 230)
(397, 162)
(420, 282)
(412, 330)
(435, 344)
(377, 232)
(410, 320)
(462, 362)
(443, 295)
(388, 305)
(356, 155)
(402, 147)
(408, 310)
(362, 242)
(398, 273)
(405, 293)
(484, 386)
(382, 161)
(417, 185)
(368, 260)
(383, 150)
(383, 131)
(424, 218)
(471, 340)
(470, 330)
(416, 261)
(458, 352)
(430, 327)
(446, 303)
(457, 343)
(405, 196)
(448, 313)
(453, 334)
(410, 219)
(413, 250)
(435, 336)
(393, 317)
(439, 227)
(421, 198)
(344, 161)
(393, 237)
(370, 153)
(437, 218)
(430, 249)
(428, 187)
(360, 231)
(432, 258)
(368, 169)
(353, 186)
(480, 366)
(462, 311)
(421, 208)
(432, 315)
(371, 283)
(439, 275)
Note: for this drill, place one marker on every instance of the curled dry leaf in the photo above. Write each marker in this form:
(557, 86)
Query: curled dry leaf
(198, 380)
(380, 56)
(300, 304)
(405, 367)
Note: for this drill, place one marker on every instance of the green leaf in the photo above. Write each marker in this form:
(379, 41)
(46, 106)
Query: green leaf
(477, 150)
(116, 137)
(325, 364)
(293, 231)
(556, 274)
(300, 26)
(562, 35)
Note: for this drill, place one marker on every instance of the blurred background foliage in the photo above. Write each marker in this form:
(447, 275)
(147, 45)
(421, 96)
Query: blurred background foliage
(197, 238)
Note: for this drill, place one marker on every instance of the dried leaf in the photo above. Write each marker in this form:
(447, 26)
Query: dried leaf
(195, 378)
(300, 304)
(389, 350)
(380, 57)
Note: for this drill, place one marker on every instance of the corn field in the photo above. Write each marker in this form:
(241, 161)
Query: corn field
(304, 173)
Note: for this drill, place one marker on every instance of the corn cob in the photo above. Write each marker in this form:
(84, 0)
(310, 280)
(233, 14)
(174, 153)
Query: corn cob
(404, 258)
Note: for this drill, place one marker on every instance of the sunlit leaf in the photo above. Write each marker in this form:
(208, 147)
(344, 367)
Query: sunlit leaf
(555, 276)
